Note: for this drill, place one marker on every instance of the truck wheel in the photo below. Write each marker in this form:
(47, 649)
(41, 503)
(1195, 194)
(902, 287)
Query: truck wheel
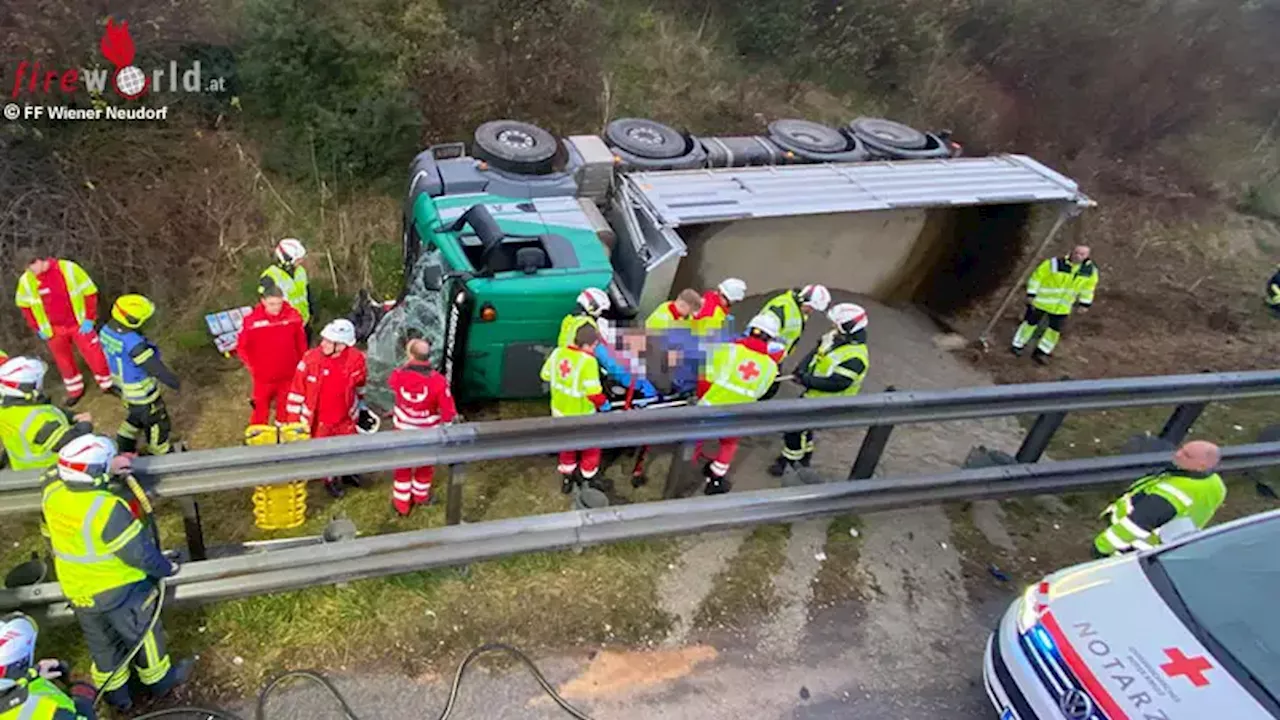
(646, 138)
(805, 136)
(889, 134)
(516, 147)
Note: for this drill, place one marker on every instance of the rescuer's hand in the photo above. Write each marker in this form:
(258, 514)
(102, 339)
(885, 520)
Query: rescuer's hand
(43, 335)
(50, 669)
(82, 418)
(86, 327)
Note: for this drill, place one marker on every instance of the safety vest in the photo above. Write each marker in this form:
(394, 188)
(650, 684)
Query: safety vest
(569, 328)
(293, 286)
(663, 319)
(829, 360)
(44, 699)
(574, 375)
(79, 286)
(1273, 293)
(792, 318)
(1057, 285)
(18, 427)
(738, 374)
(86, 565)
(136, 385)
(714, 321)
(1194, 498)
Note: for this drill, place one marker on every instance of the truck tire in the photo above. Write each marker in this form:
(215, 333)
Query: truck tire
(878, 132)
(804, 136)
(647, 139)
(516, 147)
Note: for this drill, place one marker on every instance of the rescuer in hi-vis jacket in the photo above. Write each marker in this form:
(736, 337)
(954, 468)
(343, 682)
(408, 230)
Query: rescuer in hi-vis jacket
(27, 688)
(32, 428)
(574, 377)
(137, 372)
(1273, 293)
(1057, 286)
(109, 565)
(290, 276)
(793, 307)
(836, 367)
(1167, 504)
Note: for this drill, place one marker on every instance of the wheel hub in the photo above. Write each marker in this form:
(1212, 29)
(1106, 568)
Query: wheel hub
(645, 135)
(516, 138)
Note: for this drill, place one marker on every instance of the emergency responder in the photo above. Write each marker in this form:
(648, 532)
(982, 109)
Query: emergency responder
(32, 429)
(289, 274)
(422, 401)
(574, 376)
(271, 344)
(742, 371)
(1273, 293)
(327, 392)
(60, 303)
(137, 371)
(793, 307)
(27, 691)
(592, 304)
(835, 367)
(714, 314)
(1058, 285)
(1181, 498)
(677, 314)
(109, 564)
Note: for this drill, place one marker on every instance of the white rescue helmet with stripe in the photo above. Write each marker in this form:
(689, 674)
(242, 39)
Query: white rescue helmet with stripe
(817, 297)
(17, 648)
(848, 317)
(733, 289)
(594, 301)
(21, 377)
(766, 324)
(290, 250)
(86, 460)
(340, 331)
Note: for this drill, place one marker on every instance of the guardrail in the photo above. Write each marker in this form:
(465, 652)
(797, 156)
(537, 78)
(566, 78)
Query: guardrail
(186, 475)
(398, 553)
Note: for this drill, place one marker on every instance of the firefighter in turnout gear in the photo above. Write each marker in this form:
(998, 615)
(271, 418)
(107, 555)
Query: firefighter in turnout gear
(714, 315)
(109, 564)
(836, 367)
(290, 276)
(137, 372)
(60, 303)
(1273, 293)
(677, 314)
(793, 307)
(27, 690)
(32, 429)
(574, 376)
(742, 371)
(422, 401)
(592, 302)
(1057, 286)
(1158, 507)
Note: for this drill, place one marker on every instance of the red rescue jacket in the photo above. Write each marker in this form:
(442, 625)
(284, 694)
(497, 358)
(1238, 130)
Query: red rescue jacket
(272, 346)
(423, 399)
(327, 390)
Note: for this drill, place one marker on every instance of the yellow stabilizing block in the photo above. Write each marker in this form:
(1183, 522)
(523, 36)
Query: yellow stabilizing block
(278, 507)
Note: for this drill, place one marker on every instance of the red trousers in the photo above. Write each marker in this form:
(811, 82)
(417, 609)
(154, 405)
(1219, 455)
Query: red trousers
(263, 394)
(322, 430)
(411, 486)
(64, 338)
(590, 462)
(723, 458)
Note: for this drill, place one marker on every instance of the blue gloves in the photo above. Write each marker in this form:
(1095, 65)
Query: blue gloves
(86, 327)
(43, 335)
(606, 407)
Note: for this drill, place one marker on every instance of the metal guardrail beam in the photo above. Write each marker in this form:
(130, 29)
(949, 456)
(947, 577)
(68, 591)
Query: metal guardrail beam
(282, 570)
(205, 471)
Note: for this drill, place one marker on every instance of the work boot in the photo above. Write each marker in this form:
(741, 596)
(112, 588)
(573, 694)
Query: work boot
(1040, 358)
(779, 466)
(73, 400)
(717, 485)
(334, 488)
(354, 481)
(566, 483)
(806, 460)
(1017, 351)
(177, 675)
(119, 698)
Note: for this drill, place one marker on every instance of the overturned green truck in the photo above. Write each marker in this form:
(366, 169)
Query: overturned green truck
(499, 242)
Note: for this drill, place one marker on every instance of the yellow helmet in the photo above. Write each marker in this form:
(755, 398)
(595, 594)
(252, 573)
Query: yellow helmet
(132, 311)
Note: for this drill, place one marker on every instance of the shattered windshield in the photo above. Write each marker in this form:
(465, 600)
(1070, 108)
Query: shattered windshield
(422, 314)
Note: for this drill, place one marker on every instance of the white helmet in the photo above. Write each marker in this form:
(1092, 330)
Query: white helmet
(86, 460)
(767, 323)
(848, 317)
(594, 301)
(817, 297)
(17, 648)
(289, 251)
(733, 289)
(22, 376)
(340, 331)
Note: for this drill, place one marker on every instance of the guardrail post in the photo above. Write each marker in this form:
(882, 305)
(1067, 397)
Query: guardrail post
(194, 529)
(453, 508)
(1180, 422)
(677, 474)
(864, 466)
(1038, 437)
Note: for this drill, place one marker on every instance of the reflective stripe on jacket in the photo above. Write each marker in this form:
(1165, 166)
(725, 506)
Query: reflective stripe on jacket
(126, 351)
(422, 397)
(713, 316)
(789, 314)
(1057, 286)
(31, 434)
(79, 287)
(293, 286)
(738, 374)
(574, 375)
(1194, 497)
(45, 701)
(829, 359)
(665, 318)
(86, 564)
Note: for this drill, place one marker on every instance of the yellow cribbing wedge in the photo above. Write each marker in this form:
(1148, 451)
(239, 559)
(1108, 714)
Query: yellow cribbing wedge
(278, 507)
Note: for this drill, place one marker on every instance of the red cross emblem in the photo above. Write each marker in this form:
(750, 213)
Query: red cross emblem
(1192, 667)
(749, 371)
(565, 368)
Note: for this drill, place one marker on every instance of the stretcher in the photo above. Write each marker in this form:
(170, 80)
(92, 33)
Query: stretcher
(284, 506)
